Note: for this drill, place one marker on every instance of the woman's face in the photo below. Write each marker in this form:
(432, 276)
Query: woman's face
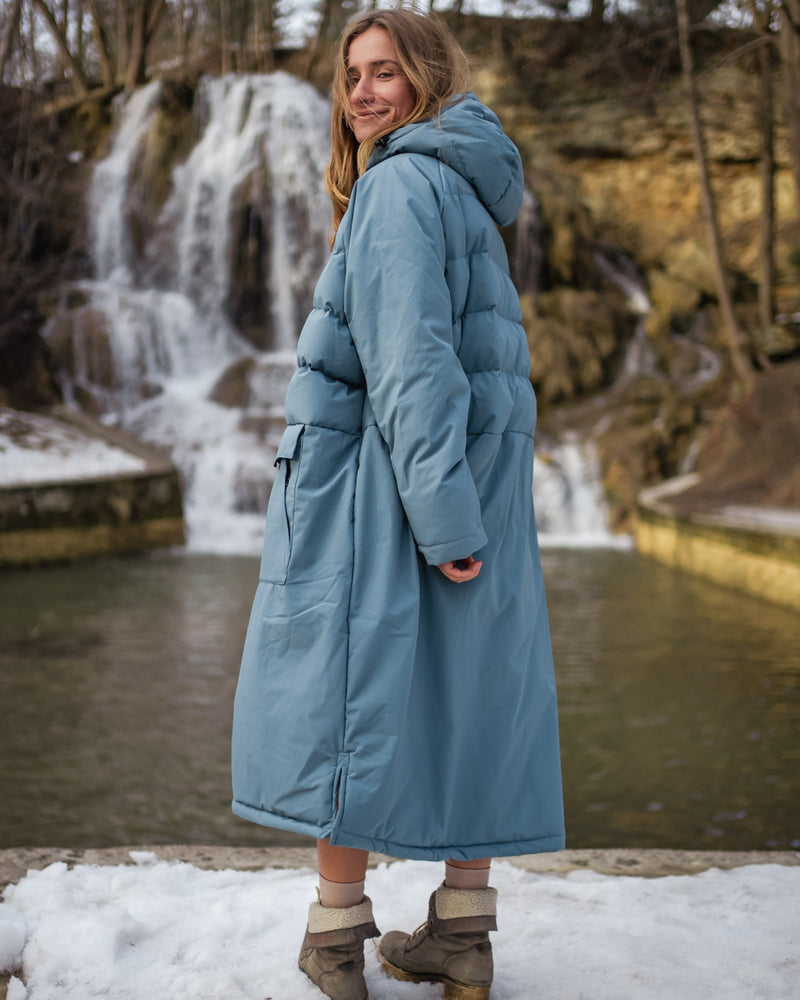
(380, 94)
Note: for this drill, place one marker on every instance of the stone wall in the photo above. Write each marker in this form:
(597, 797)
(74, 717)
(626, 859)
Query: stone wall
(752, 550)
(102, 515)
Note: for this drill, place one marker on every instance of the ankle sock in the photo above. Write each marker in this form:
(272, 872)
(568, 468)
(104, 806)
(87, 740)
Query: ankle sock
(465, 878)
(340, 895)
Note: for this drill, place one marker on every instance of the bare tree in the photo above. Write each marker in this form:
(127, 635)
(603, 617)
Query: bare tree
(59, 34)
(10, 30)
(37, 227)
(264, 17)
(741, 365)
(333, 16)
(224, 36)
(597, 12)
(789, 46)
(102, 45)
(762, 11)
(121, 54)
(766, 310)
(145, 19)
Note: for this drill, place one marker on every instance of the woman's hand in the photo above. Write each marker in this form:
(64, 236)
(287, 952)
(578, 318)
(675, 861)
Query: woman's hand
(461, 570)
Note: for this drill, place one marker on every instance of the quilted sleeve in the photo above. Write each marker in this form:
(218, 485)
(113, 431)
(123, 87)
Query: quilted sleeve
(399, 312)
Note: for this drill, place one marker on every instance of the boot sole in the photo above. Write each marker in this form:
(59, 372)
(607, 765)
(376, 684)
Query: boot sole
(452, 989)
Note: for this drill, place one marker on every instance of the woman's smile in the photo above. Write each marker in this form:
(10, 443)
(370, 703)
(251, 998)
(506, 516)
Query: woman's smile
(380, 94)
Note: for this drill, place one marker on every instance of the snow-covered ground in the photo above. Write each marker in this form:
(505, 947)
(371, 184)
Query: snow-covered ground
(170, 930)
(39, 449)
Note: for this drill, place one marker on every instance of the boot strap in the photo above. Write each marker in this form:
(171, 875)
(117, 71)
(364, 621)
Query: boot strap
(462, 925)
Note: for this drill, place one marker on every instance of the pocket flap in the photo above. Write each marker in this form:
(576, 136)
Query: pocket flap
(290, 442)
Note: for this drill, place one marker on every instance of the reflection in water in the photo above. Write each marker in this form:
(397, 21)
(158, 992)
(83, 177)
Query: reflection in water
(680, 705)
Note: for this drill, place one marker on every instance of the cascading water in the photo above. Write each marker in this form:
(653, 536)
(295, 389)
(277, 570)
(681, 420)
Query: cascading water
(170, 345)
(156, 346)
(568, 493)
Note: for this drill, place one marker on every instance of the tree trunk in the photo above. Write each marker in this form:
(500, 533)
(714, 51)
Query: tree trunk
(71, 64)
(80, 37)
(187, 23)
(32, 46)
(766, 306)
(63, 24)
(269, 32)
(101, 44)
(135, 71)
(123, 25)
(7, 41)
(145, 19)
(264, 35)
(331, 20)
(224, 41)
(181, 31)
(155, 10)
(741, 366)
(789, 44)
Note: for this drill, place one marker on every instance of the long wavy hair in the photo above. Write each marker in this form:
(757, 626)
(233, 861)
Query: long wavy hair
(435, 66)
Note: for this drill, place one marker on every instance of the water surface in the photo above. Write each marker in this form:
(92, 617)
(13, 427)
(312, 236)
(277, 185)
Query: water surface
(679, 704)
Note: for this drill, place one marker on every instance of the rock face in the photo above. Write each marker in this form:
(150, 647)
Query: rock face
(622, 140)
(750, 452)
(603, 129)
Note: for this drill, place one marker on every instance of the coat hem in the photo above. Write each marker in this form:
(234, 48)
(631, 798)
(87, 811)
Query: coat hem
(416, 852)
(462, 852)
(278, 822)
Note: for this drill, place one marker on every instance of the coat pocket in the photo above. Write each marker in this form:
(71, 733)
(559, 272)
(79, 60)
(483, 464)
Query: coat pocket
(279, 529)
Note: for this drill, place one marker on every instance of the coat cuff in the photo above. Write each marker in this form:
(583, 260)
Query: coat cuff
(460, 548)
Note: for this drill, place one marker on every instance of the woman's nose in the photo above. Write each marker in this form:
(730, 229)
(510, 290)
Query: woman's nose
(361, 92)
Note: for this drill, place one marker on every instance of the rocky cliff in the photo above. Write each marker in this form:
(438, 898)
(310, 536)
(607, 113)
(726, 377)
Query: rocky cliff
(610, 252)
(604, 132)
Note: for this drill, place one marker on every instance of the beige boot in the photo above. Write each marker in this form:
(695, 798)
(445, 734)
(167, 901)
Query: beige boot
(332, 955)
(452, 947)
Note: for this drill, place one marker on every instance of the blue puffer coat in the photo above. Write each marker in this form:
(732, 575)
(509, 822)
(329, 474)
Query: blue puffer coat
(378, 703)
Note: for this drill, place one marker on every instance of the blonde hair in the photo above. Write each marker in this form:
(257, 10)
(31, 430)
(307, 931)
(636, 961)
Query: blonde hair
(435, 66)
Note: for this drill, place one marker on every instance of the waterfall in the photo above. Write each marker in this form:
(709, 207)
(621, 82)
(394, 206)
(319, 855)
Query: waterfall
(568, 493)
(640, 356)
(112, 251)
(187, 338)
(186, 335)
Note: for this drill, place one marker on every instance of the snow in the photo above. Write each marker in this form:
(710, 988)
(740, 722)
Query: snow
(39, 449)
(778, 519)
(169, 929)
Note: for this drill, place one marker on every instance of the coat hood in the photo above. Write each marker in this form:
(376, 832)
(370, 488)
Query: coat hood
(468, 137)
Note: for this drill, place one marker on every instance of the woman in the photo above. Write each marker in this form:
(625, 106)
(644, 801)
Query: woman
(396, 691)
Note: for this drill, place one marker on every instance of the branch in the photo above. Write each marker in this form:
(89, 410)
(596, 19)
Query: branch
(11, 28)
(76, 72)
(67, 103)
(101, 42)
(152, 21)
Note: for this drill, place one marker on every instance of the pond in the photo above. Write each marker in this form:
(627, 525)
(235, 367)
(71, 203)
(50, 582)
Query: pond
(679, 704)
